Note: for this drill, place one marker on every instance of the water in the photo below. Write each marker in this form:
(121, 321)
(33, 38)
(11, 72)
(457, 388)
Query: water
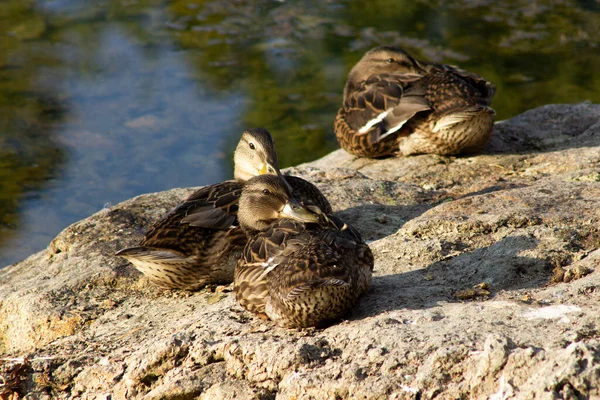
(104, 100)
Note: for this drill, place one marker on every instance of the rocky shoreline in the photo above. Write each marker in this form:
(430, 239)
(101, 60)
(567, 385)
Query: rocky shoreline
(486, 285)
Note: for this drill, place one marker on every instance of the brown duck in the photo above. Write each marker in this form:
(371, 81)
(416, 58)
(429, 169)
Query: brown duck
(397, 105)
(199, 242)
(299, 268)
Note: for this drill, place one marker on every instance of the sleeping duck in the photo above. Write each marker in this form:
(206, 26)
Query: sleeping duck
(199, 242)
(299, 268)
(397, 105)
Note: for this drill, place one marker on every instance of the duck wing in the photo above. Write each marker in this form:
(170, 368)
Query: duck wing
(486, 90)
(321, 276)
(296, 254)
(382, 104)
(189, 225)
(308, 194)
(263, 253)
(213, 206)
(196, 243)
(342, 232)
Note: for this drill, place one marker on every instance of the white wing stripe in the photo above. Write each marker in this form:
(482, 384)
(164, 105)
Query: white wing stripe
(268, 267)
(393, 129)
(374, 121)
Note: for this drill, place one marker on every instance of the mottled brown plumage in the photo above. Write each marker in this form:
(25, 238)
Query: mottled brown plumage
(199, 242)
(397, 105)
(297, 272)
(196, 244)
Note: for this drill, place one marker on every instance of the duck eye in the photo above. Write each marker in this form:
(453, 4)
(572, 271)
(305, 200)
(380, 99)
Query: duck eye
(252, 146)
(389, 60)
(266, 191)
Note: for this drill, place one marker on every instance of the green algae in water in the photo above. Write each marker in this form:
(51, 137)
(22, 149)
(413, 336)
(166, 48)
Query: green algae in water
(104, 100)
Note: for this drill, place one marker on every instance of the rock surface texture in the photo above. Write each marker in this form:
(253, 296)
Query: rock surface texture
(486, 286)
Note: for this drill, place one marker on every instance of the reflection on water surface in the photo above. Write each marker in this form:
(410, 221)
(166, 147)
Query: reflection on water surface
(103, 100)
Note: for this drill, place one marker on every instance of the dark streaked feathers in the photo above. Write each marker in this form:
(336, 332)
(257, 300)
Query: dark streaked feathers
(298, 273)
(307, 193)
(195, 244)
(393, 102)
(199, 242)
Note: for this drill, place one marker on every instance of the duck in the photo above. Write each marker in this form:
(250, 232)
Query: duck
(300, 268)
(199, 242)
(396, 105)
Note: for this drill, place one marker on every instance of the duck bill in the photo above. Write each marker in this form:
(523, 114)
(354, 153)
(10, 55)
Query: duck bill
(271, 168)
(268, 168)
(296, 211)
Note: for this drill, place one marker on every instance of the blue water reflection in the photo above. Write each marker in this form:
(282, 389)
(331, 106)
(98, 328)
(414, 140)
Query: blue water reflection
(103, 100)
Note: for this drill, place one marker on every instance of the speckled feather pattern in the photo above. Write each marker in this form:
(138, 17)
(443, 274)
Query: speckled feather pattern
(308, 194)
(438, 93)
(301, 275)
(190, 254)
(200, 241)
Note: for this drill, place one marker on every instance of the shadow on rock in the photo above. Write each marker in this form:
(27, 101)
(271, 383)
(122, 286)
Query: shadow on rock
(376, 221)
(501, 265)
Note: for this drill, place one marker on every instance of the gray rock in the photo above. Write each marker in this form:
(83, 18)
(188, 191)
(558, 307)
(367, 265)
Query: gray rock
(485, 286)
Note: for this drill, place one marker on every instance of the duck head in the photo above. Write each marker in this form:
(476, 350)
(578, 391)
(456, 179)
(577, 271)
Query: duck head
(267, 198)
(255, 155)
(383, 60)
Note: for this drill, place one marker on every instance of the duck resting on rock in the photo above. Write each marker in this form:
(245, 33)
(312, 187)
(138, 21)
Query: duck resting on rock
(395, 105)
(200, 241)
(300, 268)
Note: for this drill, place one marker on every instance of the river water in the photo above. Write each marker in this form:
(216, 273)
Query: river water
(103, 100)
